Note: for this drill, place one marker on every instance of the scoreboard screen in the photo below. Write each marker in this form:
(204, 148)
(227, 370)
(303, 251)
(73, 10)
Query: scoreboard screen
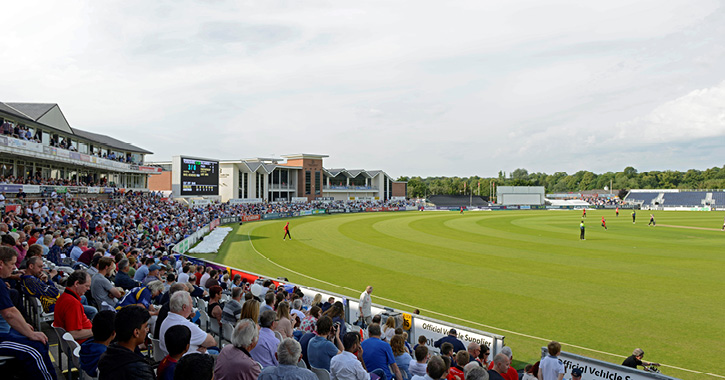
(199, 177)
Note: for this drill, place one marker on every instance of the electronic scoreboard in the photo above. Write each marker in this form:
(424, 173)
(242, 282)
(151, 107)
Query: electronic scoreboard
(199, 177)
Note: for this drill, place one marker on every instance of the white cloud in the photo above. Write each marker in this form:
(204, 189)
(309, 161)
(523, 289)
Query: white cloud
(414, 89)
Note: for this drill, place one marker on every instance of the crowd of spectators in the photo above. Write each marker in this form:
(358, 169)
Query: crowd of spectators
(602, 201)
(19, 132)
(39, 180)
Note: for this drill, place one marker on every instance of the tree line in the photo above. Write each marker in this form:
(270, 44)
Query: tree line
(629, 178)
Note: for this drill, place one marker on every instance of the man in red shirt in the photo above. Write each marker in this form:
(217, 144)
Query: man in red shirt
(286, 232)
(69, 313)
(511, 373)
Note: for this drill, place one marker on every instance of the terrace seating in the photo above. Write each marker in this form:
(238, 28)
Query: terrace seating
(718, 198)
(457, 201)
(644, 197)
(322, 374)
(685, 198)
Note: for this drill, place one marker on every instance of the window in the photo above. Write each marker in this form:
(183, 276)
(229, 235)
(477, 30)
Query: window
(318, 183)
(308, 182)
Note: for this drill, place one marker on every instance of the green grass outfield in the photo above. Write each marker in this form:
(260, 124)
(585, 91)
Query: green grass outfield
(522, 274)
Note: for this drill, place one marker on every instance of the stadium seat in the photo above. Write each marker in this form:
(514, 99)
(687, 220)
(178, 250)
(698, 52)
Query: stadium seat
(227, 330)
(73, 353)
(37, 315)
(322, 374)
(59, 332)
(302, 363)
(203, 320)
(157, 354)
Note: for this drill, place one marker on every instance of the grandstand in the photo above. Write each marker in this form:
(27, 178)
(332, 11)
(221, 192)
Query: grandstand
(40, 147)
(645, 198)
(675, 198)
(686, 198)
(457, 201)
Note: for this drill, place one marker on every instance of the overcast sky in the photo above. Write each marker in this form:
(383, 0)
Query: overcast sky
(413, 88)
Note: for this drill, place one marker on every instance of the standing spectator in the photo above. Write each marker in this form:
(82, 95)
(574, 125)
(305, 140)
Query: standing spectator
(378, 354)
(120, 360)
(177, 342)
(264, 351)
(451, 338)
(551, 368)
(289, 353)
(234, 361)
(103, 334)
(366, 305)
(17, 338)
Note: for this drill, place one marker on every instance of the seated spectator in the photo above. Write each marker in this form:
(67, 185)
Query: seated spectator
(477, 373)
(123, 280)
(289, 353)
(177, 342)
(284, 325)
(309, 322)
(297, 311)
(264, 351)
(153, 274)
(268, 302)
(402, 357)
(17, 338)
(195, 366)
(337, 313)
(211, 280)
(501, 365)
(436, 369)
(349, 364)
(320, 350)
(142, 296)
(164, 311)
(101, 288)
(233, 309)
(378, 354)
(103, 334)
(421, 360)
(143, 271)
(250, 309)
(69, 312)
(179, 311)
(388, 329)
(37, 283)
(234, 361)
(214, 308)
(456, 370)
(184, 276)
(120, 361)
(528, 373)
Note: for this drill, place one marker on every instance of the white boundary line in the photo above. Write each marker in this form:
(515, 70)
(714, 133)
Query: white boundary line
(460, 319)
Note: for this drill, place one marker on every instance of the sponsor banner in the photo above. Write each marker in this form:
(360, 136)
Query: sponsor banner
(214, 224)
(31, 189)
(199, 202)
(410, 208)
(25, 145)
(600, 370)
(336, 211)
(94, 190)
(305, 212)
(436, 330)
(85, 158)
(286, 214)
(355, 210)
(249, 218)
(524, 207)
(12, 208)
(107, 190)
(75, 156)
(271, 215)
(323, 198)
(295, 213)
(236, 201)
(299, 200)
(310, 293)
(3, 141)
(397, 198)
(11, 188)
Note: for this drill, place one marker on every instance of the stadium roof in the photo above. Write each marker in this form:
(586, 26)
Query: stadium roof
(50, 115)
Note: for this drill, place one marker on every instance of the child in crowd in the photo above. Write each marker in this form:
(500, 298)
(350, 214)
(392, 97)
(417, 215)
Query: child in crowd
(177, 342)
(103, 334)
(529, 373)
(421, 357)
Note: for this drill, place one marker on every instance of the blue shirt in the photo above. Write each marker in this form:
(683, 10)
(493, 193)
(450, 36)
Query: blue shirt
(320, 351)
(90, 353)
(378, 354)
(265, 349)
(141, 273)
(135, 296)
(5, 303)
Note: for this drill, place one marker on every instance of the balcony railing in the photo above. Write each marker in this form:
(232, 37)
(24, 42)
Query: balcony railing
(350, 188)
(39, 150)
